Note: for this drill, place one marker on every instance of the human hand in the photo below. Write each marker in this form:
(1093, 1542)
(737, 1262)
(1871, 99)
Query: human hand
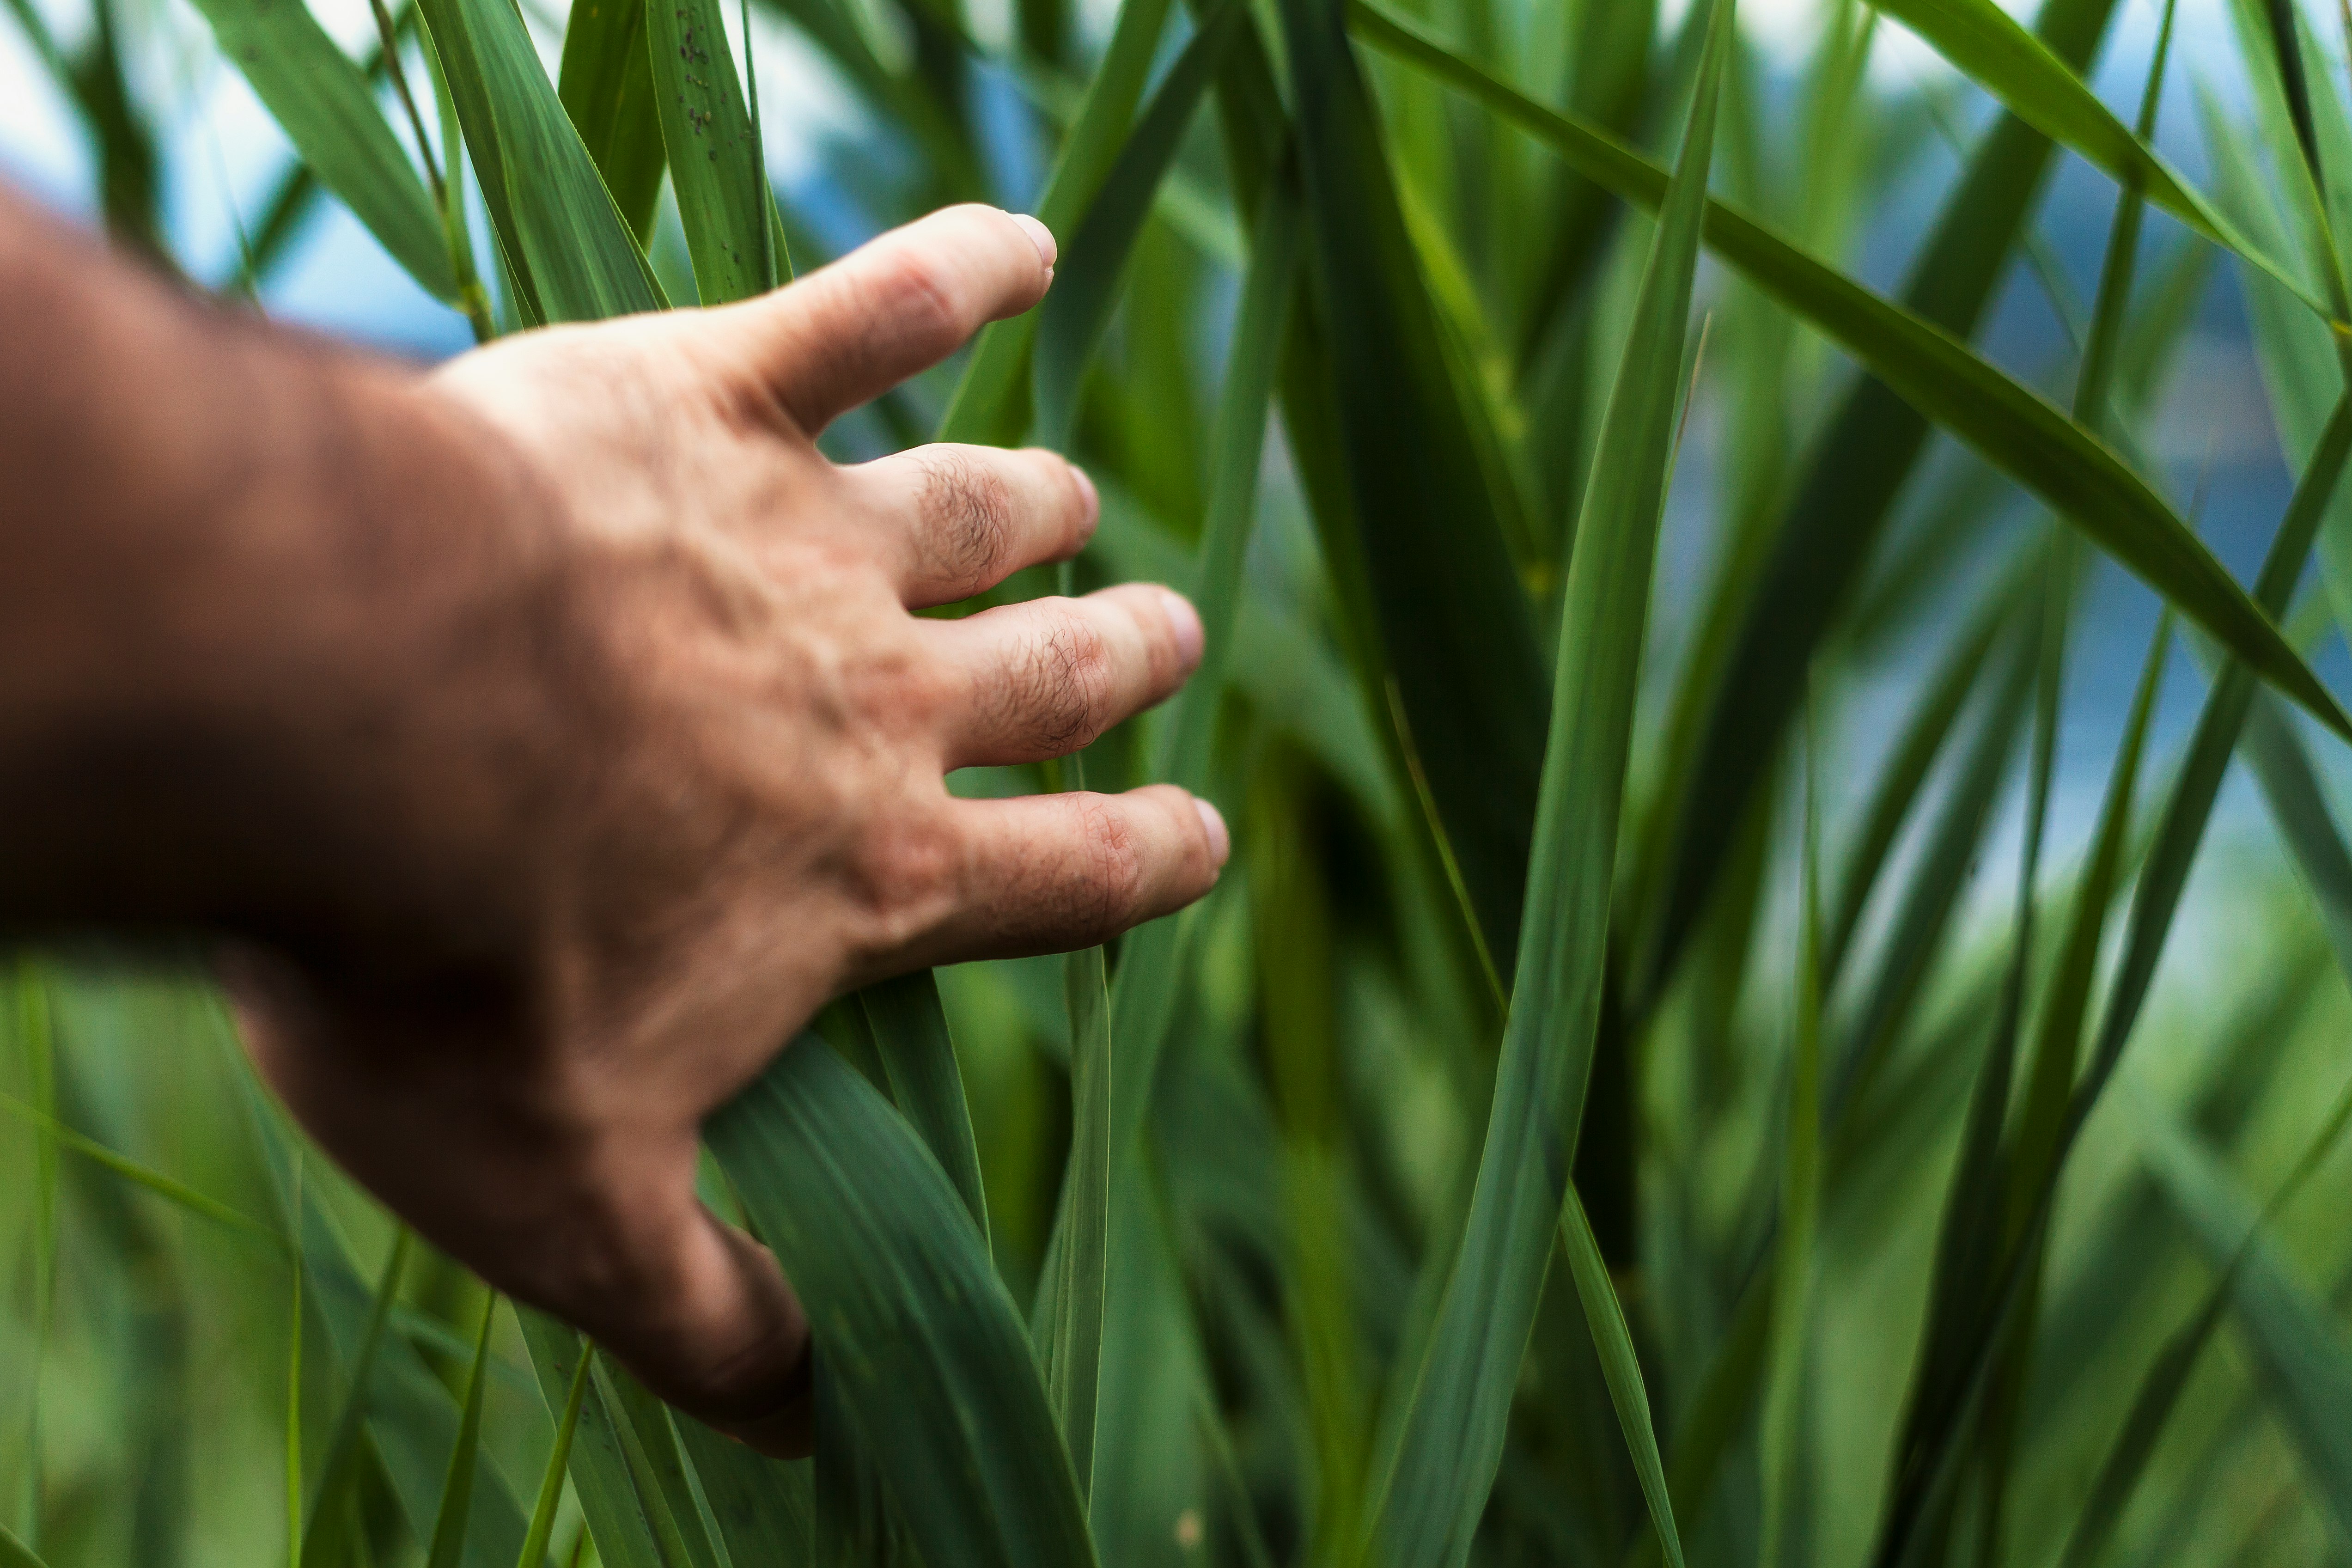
(679, 779)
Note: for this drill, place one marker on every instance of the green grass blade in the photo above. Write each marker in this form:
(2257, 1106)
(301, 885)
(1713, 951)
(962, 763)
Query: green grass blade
(324, 1539)
(2041, 89)
(762, 1507)
(1788, 1391)
(411, 1419)
(1605, 1315)
(2290, 786)
(2195, 787)
(2080, 475)
(323, 101)
(1448, 610)
(37, 1024)
(2057, 1045)
(550, 1481)
(2160, 1392)
(2136, 1437)
(566, 242)
(605, 83)
(986, 405)
(448, 1547)
(1947, 857)
(174, 1191)
(1944, 693)
(1457, 1402)
(618, 1517)
(293, 1430)
(14, 1553)
(851, 1524)
(714, 165)
(1144, 992)
(910, 1031)
(1067, 1322)
(656, 1466)
(2297, 1348)
(1093, 261)
(907, 1310)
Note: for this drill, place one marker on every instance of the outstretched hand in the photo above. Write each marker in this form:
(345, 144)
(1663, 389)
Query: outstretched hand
(669, 774)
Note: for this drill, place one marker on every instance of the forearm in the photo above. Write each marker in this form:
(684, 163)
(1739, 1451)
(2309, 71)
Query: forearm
(235, 558)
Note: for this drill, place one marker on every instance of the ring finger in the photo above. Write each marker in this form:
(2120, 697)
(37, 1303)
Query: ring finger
(1049, 675)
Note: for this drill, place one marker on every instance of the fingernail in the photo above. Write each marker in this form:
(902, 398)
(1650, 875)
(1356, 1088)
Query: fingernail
(1185, 621)
(1039, 236)
(1093, 498)
(1220, 843)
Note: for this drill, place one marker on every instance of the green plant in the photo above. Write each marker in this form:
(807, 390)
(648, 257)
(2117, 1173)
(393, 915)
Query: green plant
(1596, 1121)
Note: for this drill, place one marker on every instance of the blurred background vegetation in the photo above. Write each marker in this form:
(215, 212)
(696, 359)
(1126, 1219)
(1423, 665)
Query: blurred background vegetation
(1948, 1225)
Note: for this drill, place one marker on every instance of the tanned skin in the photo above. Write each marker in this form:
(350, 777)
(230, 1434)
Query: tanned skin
(537, 743)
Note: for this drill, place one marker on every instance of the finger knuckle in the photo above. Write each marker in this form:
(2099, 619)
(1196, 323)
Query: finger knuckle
(916, 289)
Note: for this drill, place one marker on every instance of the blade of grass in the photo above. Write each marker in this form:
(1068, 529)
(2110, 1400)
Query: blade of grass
(448, 1547)
(851, 1524)
(910, 1031)
(1605, 1315)
(1087, 280)
(550, 1481)
(1947, 857)
(2291, 788)
(656, 1468)
(323, 103)
(162, 1185)
(714, 157)
(2305, 1365)
(566, 244)
(1945, 693)
(605, 83)
(293, 1429)
(1449, 642)
(1455, 1404)
(762, 1507)
(36, 1024)
(412, 1419)
(2160, 1392)
(14, 1553)
(1969, 1232)
(902, 1301)
(617, 1517)
(1786, 1473)
(1932, 370)
(986, 405)
(1999, 56)
(1144, 992)
(1067, 1320)
(324, 1537)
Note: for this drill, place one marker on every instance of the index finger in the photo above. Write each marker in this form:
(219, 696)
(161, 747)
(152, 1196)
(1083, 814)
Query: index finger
(893, 306)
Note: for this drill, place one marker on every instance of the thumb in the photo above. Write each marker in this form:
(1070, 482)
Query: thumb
(696, 1309)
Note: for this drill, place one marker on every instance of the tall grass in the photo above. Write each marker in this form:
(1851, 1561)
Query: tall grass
(1668, 1076)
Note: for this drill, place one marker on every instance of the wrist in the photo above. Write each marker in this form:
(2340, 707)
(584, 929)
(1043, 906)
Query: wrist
(289, 668)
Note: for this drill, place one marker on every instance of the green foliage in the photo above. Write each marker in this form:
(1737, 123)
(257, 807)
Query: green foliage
(1720, 1104)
